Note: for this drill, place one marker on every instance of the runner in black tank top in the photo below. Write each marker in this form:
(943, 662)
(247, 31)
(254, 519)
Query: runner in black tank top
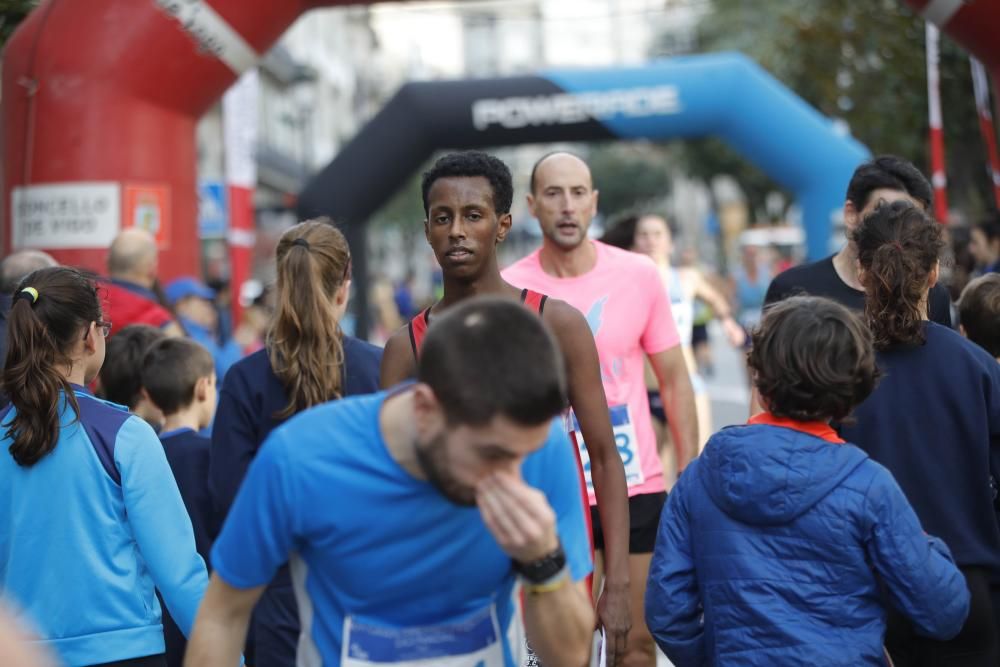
(467, 198)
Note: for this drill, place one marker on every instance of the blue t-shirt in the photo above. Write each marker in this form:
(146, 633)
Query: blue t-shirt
(376, 552)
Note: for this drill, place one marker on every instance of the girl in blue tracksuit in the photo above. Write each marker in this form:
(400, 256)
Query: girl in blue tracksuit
(90, 517)
(307, 361)
(776, 544)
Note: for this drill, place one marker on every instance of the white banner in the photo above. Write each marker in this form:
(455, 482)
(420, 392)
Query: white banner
(65, 215)
(939, 12)
(981, 88)
(240, 117)
(211, 32)
(933, 37)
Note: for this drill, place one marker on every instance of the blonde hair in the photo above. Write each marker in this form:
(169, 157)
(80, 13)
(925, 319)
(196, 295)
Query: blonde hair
(305, 343)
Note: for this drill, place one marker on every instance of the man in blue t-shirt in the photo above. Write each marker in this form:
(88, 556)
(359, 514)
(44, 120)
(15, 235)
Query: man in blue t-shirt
(409, 517)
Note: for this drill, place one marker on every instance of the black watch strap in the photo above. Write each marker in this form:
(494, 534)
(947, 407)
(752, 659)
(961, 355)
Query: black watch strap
(544, 568)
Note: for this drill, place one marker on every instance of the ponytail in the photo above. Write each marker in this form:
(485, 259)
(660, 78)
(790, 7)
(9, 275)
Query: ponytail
(305, 343)
(898, 247)
(42, 329)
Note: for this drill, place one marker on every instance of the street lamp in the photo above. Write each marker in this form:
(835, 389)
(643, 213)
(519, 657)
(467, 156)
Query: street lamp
(304, 93)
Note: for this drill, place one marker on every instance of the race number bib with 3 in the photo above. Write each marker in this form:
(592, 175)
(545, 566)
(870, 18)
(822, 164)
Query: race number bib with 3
(625, 441)
(470, 642)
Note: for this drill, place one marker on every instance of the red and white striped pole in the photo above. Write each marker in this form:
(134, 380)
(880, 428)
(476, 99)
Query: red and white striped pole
(938, 177)
(240, 116)
(981, 87)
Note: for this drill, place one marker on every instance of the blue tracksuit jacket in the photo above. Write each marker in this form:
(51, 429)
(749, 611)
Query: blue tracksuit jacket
(89, 531)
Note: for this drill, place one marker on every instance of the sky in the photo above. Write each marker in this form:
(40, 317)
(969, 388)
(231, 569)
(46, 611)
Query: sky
(428, 35)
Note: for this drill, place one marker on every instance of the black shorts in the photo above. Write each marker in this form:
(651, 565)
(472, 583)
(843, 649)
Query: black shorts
(699, 334)
(644, 519)
(656, 406)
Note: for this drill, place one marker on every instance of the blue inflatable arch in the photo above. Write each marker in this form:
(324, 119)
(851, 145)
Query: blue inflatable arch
(725, 95)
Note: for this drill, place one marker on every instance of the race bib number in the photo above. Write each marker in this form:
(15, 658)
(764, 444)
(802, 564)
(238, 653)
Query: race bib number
(625, 441)
(471, 642)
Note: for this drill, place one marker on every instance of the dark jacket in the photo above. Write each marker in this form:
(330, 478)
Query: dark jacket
(934, 422)
(769, 552)
(250, 396)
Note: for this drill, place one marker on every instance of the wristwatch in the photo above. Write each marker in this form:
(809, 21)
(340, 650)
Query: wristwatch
(543, 569)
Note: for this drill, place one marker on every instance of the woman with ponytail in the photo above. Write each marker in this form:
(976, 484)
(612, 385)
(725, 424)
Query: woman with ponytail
(934, 422)
(307, 361)
(91, 521)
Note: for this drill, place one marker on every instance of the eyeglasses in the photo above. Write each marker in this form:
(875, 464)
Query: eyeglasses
(105, 328)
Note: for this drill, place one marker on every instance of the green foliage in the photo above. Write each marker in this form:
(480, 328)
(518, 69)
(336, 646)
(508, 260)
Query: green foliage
(629, 175)
(405, 209)
(12, 12)
(863, 62)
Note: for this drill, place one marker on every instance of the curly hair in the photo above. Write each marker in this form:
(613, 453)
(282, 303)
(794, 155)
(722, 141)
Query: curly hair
(472, 164)
(812, 359)
(899, 246)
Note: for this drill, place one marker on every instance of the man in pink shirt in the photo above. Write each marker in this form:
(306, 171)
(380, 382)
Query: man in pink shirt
(628, 310)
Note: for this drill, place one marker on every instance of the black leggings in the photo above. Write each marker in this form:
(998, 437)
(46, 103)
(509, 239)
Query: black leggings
(149, 661)
(976, 645)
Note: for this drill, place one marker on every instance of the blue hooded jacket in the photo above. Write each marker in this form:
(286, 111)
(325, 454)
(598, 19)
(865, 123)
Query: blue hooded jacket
(771, 548)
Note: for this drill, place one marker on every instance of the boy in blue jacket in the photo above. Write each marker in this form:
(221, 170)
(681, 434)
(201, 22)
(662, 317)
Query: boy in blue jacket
(178, 375)
(777, 543)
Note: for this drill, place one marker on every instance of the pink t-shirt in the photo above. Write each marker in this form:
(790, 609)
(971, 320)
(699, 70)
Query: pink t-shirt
(628, 310)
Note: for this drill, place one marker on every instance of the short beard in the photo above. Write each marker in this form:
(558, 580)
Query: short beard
(432, 459)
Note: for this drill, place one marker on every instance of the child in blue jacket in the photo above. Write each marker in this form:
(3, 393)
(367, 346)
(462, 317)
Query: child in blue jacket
(91, 521)
(776, 543)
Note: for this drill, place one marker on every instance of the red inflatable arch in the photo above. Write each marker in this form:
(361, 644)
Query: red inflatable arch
(105, 94)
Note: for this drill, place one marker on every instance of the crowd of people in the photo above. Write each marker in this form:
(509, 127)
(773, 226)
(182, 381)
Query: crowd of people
(493, 485)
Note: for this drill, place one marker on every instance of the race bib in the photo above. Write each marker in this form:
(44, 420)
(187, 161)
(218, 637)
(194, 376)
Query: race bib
(625, 441)
(471, 642)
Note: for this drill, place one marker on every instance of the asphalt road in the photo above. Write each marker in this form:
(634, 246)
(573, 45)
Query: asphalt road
(727, 388)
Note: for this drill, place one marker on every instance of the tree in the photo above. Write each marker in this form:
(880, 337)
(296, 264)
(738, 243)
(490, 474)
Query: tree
(863, 62)
(629, 175)
(12, 12)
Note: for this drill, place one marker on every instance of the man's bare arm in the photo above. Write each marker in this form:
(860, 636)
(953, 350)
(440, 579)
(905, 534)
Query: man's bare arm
(398, 363)
(678, 401)
(719, 304)
(220, 628)
(559, 618)
(586, 394)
